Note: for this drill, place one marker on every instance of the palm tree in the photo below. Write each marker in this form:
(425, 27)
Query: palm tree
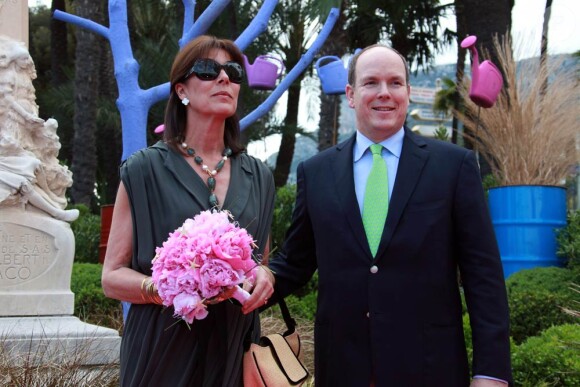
(544, 43)
(336, 45)
(411, 27)
(293, 21)
(58, 45)
(497, 21)
(84, 161)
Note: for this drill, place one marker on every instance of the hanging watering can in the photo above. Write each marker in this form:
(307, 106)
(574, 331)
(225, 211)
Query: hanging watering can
(332, 74)
(486, 79)
(263, 73)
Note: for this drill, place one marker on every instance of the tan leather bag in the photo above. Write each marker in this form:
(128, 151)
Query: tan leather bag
(276, 361)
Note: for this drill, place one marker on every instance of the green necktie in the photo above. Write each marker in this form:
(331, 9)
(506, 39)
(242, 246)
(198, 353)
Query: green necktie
(376, 200)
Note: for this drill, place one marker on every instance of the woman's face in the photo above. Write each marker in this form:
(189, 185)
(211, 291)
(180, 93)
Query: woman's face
(218, 97)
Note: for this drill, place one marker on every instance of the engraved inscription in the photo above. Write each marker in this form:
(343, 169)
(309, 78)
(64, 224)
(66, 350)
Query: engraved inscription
(25, 253)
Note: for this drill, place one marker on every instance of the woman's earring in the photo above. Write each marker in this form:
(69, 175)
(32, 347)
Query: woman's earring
(185, 101)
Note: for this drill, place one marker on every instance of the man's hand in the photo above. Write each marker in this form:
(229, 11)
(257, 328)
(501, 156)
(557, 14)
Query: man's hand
(263, 289)
(482, 382)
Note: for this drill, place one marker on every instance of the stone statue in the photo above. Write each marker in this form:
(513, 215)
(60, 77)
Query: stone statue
(30, 173)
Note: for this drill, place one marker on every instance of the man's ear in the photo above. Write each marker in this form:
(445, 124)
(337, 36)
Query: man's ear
(350, 95)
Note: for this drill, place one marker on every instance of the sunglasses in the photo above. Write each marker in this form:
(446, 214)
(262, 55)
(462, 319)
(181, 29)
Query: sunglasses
(209, 70)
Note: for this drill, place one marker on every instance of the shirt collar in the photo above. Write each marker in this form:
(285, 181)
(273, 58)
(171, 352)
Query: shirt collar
(394, 144)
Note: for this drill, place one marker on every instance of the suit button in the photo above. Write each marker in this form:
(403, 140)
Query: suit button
(374, 269)
(368, 315)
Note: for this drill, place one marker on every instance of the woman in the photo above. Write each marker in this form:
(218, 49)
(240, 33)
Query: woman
(163, 185)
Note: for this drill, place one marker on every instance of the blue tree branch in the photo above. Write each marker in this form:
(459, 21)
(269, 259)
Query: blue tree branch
(204, 21)
(304, 62)
(257, 26)
(188, 15)
(82, 22)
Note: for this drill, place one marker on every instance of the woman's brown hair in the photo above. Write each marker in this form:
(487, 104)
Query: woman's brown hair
(175, 112)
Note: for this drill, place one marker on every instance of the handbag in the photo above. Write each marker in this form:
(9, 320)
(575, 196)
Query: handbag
(276, 360)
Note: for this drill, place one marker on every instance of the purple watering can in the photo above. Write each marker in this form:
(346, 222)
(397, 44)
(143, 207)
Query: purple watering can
(486, 79)
(263, 73)
(332, 74)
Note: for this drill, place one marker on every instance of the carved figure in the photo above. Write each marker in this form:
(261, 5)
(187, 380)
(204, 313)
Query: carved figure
(30, 172)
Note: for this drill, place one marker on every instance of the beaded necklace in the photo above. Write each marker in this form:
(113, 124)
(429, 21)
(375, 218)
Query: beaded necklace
(211, 182)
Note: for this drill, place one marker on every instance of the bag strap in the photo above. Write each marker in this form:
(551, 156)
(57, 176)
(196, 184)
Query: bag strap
(288, 320)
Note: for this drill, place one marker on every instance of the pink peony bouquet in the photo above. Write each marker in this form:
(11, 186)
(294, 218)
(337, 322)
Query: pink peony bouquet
(203, 260)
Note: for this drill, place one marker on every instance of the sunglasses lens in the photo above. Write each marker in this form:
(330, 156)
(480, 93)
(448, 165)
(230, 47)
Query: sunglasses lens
(234, 71)
(206, 69)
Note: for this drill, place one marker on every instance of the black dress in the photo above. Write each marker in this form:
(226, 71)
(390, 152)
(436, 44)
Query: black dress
(158, 349)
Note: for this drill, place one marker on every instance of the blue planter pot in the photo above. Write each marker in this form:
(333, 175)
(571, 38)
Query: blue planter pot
(525, 220)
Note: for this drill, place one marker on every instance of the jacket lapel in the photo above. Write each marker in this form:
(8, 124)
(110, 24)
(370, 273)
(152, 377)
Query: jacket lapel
(341, 163)
(413, 159)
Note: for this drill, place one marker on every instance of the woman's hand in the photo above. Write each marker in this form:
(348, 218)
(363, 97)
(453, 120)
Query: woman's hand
(263, 290)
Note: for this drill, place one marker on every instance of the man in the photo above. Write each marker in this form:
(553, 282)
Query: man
(390, 315)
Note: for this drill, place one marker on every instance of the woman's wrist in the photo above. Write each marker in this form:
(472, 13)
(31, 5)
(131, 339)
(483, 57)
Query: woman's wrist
(149, 292)
(269, 273)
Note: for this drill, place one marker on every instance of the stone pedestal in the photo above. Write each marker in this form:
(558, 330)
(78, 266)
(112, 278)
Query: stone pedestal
(36, 255)
(33, 341)
(36, 322)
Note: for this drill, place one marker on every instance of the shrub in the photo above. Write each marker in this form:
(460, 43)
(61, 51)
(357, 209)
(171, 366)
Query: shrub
(568, 239)
(536, 298)
(553, 358)
(489, 181)
(285, 198)
(91, 304)
(468, 337)
(552, 279)
(303, 307)
(87, 232)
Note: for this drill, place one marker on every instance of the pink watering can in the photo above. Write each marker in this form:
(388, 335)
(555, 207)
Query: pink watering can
(263, 73)
(332, 74)
(486, 79)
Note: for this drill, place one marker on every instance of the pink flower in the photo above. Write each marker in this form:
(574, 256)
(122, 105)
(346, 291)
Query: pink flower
(190, 307)
(217, 275)
(205, 257)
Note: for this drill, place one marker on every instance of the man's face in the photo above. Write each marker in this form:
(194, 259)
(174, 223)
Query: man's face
(380, 96)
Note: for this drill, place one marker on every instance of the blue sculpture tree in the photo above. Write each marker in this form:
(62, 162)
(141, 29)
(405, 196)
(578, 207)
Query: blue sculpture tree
(135, 102)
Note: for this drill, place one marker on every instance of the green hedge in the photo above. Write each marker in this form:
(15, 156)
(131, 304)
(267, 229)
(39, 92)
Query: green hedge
(285, 198)
(303, 307)
(569, 241)
(90, 302)
(468, 338)
(551, 359)
(536, 298)
(87, 232)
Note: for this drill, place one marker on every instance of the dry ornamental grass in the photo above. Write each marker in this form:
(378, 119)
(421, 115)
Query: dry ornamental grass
(530, 135)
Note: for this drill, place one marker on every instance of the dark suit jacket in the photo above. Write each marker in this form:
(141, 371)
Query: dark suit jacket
(404, 322)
